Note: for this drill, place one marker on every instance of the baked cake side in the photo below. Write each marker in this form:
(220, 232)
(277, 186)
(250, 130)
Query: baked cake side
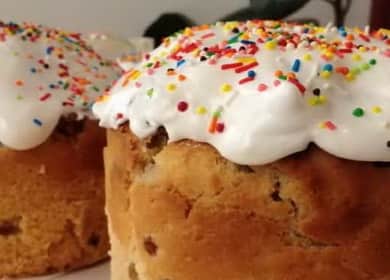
(182, 211)
(51, 208)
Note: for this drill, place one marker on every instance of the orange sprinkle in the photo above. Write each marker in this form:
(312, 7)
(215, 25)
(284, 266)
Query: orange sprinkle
(213, 125)
(19, 83)
(181, 77)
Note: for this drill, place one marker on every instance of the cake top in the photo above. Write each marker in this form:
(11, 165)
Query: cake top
(259, 91)
(46, 73)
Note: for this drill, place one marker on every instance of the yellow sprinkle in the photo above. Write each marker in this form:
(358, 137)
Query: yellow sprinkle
(307, 57)
(188, 32)
(325, 74)
(196, 52)
(171, 87)
(270, 45)
(230, 25)
(322, 125)
(315, 101)
(376, 109)
(356, 57)
(246, 59)
(329, 54)
(201, 110)
(225, 88)
(244, 36)
(103, 98)
(322, 99)
(350, 77)
(362, 49)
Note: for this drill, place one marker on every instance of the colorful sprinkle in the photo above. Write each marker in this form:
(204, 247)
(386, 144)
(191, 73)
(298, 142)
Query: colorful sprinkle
(246, 67)
(45, 97)
(225, 88)
(220, 127)
(358, 112)
(262, 87)
(182, 106)
(201, 110)
(296, 65)
(231, 65)
(37, 122)
(171, 87)
(19, 83)
(376, 109)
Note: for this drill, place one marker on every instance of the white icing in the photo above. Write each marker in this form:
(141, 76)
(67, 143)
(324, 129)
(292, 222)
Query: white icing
(262, 126)
(27, 117)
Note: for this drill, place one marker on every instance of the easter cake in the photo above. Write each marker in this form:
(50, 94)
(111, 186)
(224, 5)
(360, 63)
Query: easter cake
(252, 150)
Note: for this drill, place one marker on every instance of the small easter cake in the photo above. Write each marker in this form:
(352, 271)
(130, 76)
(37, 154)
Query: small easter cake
(51, 168)
(252, 150)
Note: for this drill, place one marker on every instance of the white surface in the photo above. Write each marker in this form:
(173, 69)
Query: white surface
(99, 272)
(119, 17)
(130, 17)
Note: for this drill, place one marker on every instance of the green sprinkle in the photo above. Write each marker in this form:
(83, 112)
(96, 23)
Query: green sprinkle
(235, 38)
(150, 92)
(355, 71)
(282, 77)
(372, 61)
(358, 112)
(365, 66)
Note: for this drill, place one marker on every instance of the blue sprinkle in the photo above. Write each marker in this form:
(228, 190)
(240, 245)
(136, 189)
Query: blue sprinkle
(52, 86)
(49, 50)
(296, 65)
(181, 62)
(247, 42)
(33, 70)
(251, 74)
(37, 122)
(342, 31)
(328, 67)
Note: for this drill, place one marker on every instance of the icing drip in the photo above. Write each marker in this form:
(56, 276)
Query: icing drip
(261, 90)
(46, 73)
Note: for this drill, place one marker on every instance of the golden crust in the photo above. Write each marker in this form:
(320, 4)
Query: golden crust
(51, 205)
(187, 213)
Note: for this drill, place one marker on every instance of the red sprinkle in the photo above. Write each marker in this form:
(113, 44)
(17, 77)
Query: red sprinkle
(182, 106)
(253, 49)
(262, 87)
(231, 65)
(208, 35)
(220, 127)
(345, 50)
(119, 116)
(364, 37)
(276, 83)
(189, 48)
(246, 80)
(330, 125)
(246, 67)
(45, 97)
(299, 86)
(342, 70)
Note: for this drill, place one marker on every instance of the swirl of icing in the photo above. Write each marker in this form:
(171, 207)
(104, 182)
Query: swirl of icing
(46, 73)
(261, 90)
